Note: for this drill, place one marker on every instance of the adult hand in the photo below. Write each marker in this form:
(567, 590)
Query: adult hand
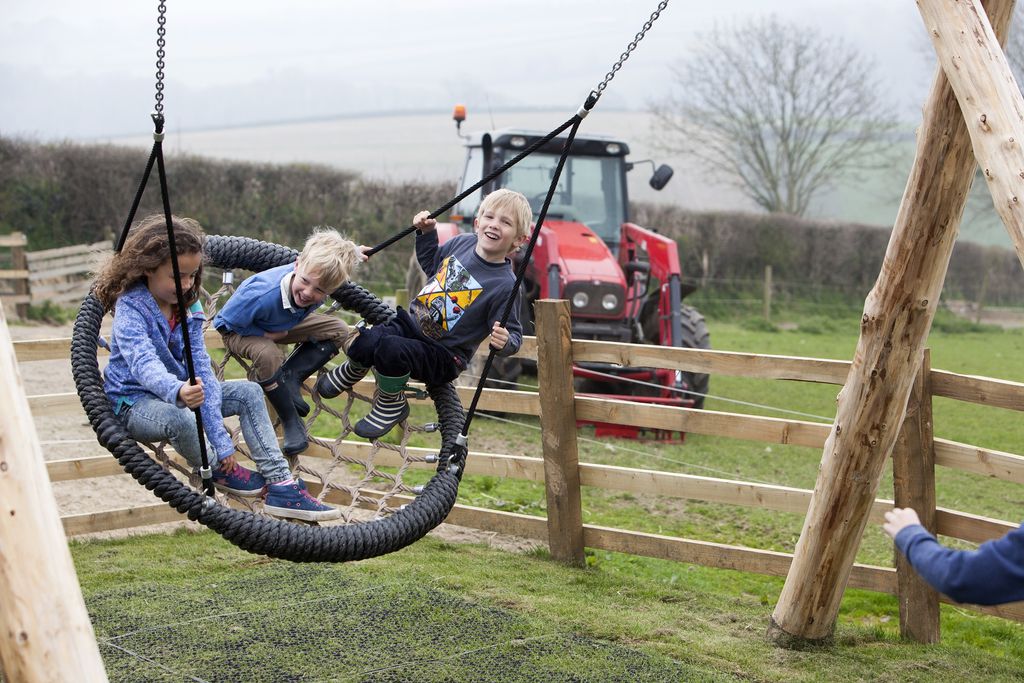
(898, 519)
(192, 395)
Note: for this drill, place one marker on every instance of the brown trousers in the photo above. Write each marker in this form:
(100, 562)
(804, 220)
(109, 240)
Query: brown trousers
(267, 355)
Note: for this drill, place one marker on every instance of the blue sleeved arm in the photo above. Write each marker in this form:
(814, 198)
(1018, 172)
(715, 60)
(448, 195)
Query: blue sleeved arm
(250, 315)
(993, 574)
(426, 253)
(137, 347)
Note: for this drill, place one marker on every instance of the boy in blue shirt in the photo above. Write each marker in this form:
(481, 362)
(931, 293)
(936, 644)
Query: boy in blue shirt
(457, 309)
(277, 307)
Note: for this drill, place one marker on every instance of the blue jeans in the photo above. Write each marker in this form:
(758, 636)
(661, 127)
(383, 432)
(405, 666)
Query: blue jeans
(152, 419)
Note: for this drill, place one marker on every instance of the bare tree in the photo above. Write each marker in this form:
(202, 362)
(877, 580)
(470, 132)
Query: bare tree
(779, 110)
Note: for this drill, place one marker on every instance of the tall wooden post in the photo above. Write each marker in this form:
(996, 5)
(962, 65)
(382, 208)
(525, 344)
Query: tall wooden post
(45, 633)
(768, 293)
(558, 431)
(913, 474)
(897, 317)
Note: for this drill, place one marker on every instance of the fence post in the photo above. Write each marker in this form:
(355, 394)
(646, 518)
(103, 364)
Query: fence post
(402, 297)
(913, 470)
(768, 293)
(558, 431)
(45, 633)
(19, 262)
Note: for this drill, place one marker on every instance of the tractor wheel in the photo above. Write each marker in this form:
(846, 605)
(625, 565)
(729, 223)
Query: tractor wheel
(695, 336)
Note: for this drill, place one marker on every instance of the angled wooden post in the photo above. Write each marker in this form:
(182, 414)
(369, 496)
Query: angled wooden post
(45, 633)
(558, 431)
(897, 317)
(913, 473)
(971, 58)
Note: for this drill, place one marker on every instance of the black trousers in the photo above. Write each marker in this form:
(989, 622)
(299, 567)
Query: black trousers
(398, 347)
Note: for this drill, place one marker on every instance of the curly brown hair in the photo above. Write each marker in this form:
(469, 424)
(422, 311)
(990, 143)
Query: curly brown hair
(144, 251)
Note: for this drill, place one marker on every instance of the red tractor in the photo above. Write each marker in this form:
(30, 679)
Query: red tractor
(623, 281)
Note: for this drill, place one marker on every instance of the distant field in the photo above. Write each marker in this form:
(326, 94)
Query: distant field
(425, 146)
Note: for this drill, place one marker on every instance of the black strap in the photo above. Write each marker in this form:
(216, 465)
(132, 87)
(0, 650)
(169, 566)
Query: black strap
(524, 261)
(157, 156)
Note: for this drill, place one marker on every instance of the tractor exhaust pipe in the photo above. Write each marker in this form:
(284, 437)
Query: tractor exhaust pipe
(675, 294)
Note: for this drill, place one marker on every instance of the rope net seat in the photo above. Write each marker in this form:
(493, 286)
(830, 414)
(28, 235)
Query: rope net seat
(390, 528)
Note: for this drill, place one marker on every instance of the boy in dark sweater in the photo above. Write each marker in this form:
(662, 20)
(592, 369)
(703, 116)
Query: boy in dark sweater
(991, 575)
(277, 307)
(459, 307)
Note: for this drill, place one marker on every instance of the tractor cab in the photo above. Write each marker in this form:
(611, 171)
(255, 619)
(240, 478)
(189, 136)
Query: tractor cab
(591, 190)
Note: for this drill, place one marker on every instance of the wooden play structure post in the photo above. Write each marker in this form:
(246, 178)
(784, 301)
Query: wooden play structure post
(558, 429)
(898, 314)
(913, 473)
(45, 633)
(19, 263)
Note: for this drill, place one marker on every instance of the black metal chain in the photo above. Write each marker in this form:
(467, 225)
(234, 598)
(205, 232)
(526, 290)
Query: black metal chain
(599, 90)
(161, 31)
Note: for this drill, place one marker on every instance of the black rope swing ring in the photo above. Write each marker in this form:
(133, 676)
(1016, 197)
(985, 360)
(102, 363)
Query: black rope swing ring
(266, 535)
(249, 531)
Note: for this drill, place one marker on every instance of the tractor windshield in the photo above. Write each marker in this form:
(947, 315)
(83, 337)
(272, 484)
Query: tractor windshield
(591, 189)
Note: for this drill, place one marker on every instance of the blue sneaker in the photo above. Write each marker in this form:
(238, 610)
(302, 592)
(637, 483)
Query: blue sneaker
(292, 501)
(239, 481)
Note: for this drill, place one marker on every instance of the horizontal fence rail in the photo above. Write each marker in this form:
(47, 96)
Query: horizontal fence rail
(62, 275)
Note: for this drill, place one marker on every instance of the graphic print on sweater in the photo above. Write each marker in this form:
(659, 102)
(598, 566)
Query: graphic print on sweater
(441, 303)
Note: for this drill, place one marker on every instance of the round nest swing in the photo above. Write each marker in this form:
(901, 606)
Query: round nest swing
(253, 532)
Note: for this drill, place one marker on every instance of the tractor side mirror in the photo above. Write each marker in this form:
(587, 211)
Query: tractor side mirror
(661, 176)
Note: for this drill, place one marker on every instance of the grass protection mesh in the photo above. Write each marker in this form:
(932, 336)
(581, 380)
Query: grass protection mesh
(279, 621)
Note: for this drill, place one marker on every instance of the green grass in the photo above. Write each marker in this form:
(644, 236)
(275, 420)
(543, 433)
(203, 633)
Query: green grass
(439, 611)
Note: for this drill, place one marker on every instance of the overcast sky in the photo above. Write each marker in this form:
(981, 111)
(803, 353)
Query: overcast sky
(72, 69)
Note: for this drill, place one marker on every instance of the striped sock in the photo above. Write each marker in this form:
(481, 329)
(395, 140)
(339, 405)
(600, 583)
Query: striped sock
(387, 411)
(341, 378)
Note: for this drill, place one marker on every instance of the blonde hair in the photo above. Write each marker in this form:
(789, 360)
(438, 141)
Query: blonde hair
(515, 203)
(330, 256)
(146, 249)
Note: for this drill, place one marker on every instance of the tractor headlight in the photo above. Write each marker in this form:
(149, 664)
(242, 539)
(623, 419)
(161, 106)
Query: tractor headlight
(580, 299)
(609, 302)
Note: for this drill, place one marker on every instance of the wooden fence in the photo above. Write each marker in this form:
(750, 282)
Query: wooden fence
(563, 475)
(61, 275)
